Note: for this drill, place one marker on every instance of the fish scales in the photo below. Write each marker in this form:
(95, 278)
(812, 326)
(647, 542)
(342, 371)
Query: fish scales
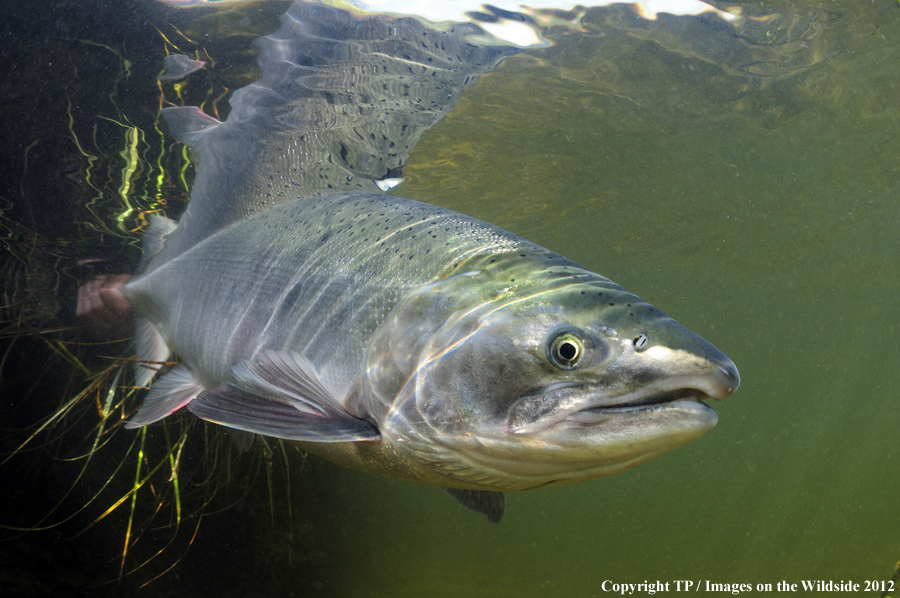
(352, 256)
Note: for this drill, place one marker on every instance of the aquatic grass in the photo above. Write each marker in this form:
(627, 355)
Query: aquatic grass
(159, 482)
(75, 406)
(107, 397)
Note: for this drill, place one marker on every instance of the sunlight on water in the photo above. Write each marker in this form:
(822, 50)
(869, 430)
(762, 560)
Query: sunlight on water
(743, 177)
(503, 22)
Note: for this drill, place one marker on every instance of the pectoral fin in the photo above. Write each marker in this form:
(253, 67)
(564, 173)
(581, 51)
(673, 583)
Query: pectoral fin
(280, 395)
(490, 504)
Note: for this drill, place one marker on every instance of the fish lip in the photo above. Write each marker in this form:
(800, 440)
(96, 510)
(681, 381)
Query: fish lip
(653, 396)
(660, 392)
(648, 403)
(602, 415)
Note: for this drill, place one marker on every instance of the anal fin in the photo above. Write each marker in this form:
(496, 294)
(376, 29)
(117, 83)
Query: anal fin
(490, 504)
(150, 348)
(280, 395)
(168, 394)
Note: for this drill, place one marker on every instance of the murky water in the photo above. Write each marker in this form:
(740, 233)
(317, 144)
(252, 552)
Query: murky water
(743, 179)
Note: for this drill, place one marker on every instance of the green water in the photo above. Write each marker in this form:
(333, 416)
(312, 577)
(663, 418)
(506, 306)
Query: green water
(745, 181)
(758, 205)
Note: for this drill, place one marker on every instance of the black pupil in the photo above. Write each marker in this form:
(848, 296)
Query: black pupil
(567, 351)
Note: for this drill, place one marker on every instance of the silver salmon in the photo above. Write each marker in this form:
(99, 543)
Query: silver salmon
(388, 335)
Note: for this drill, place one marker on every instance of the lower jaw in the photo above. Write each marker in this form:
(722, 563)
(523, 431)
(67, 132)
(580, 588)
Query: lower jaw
(601, 414)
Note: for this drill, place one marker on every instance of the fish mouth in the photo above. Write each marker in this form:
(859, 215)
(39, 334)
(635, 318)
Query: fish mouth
(571, 404)
(646, 403)
(672, 394)
(663, 393)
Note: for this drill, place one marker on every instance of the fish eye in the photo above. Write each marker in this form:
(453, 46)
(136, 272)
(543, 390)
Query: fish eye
(566, 351)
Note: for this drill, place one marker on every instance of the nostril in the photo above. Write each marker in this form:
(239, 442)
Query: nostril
(641, 342)
(731, 374)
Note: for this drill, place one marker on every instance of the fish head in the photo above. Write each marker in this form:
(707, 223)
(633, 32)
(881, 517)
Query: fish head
(543, 375)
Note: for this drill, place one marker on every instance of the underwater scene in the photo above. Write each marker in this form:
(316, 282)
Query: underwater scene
(734, 164)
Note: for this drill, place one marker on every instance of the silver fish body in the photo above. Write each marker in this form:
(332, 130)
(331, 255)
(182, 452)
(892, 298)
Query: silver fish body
(478, 359)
